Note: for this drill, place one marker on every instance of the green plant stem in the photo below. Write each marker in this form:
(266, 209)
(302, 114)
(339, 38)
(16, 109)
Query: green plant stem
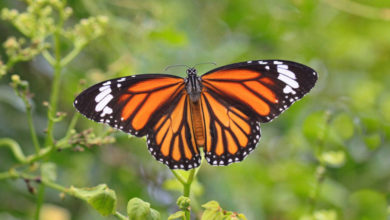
(40, 198)
(33, 133)
(71, 55)
(53, 99)
(187, 190)
(120, 216)
(49, 57)
(187, 185)
(5, 175)
(12, 173)
(14, 147)
(178, 177)
(55, 91)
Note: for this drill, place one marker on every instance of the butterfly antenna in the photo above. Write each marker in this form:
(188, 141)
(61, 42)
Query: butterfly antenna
(177, 65)
(204, 63)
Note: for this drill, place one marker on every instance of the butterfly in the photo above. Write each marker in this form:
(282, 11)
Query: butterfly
(220, 111)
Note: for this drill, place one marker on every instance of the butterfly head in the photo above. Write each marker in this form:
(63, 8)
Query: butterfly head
(191, 71)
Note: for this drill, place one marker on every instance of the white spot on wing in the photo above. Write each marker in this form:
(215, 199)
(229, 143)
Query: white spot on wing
(286, 72)
(106, 111)
(102, 94)
(262, 62)
(288, 89)
(283, 66)
(103, 103)
(104, 88)
(106, 83)
(121, 79)
(288, 81)
(278, 62)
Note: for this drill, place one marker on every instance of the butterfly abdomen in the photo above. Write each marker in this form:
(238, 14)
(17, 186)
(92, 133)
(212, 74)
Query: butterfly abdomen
(197, 123)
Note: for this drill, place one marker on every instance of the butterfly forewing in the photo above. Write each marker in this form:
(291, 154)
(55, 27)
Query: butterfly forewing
(265, 88)
(131, 103)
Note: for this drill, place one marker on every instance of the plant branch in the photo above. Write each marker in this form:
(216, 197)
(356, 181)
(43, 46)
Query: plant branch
(71, 55)
(15, 148)
(178, 177)
(187, 185)
(5, 175)
(40, 198)
(30, 122)
(48, 57)
(120, 216)
(55, 89)
(64, 142)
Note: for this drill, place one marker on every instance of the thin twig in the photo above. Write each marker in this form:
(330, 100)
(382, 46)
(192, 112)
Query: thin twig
(14, 147)
(120, 216)
(30, 122)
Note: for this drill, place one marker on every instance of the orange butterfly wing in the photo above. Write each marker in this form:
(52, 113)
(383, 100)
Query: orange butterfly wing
(132, 104)
(238, 96)
(263, 88)
(171, 140)
(231, 134)
(155, 105)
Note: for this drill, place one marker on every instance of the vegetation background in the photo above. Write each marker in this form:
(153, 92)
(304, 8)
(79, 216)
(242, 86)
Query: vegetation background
(326, 158)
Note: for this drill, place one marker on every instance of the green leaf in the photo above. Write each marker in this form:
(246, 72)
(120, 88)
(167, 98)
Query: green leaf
(214, 215)
(177, 215)
(321, 215)
(373, 141)
(367, 204)
(333, 158)
(342, 125)
(325, 215)
(234, 216)
(211, 205)
(100, 197)
(314, 127)
(137, 209)
(215, 212)
(49, 171)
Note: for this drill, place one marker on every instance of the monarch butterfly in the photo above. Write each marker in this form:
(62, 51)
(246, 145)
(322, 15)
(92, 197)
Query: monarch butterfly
(219, 111)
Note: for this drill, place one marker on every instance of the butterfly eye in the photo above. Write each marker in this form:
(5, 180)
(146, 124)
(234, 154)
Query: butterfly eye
(191, 71)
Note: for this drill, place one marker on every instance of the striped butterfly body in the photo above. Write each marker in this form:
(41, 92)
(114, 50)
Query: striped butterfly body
(219, 111)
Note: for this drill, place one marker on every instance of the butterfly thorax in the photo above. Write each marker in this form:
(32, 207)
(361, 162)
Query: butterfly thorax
(193, 85)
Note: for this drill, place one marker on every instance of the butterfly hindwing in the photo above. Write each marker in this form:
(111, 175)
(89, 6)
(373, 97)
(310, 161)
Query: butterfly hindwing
(129, 103)
(265, 88)
(171, 140)
(231, 134)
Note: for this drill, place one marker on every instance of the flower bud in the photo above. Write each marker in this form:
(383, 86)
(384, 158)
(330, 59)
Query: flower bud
(183, 202)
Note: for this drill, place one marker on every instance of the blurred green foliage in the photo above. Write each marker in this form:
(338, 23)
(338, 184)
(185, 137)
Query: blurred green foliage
(325, 158)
